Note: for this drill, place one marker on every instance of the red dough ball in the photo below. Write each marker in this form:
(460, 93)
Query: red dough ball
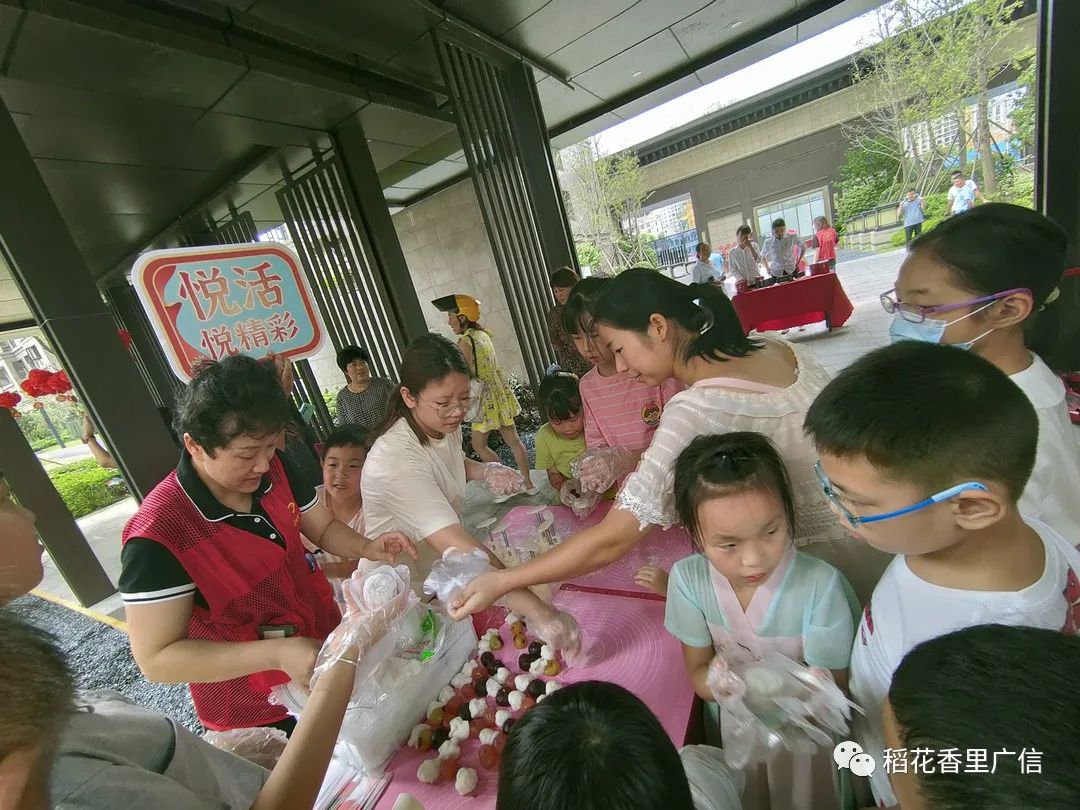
(489, 756)
(452, 705)
(489, 714)
(528, 702)
(500, 743)
(478, 725)
(478, 672)
(448, 770)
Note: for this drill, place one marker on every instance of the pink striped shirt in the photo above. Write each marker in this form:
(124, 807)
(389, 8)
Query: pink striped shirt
(622, 412)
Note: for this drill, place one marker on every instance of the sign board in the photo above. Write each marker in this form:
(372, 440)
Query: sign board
(212, 302)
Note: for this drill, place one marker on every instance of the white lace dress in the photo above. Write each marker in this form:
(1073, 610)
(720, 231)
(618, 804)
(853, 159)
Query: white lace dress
(723, 405)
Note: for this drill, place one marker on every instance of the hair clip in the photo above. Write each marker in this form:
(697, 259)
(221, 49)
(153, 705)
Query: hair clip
(709, 319)
(1054, 295)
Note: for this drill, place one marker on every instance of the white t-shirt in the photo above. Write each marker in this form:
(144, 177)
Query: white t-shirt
(412, 487)
(1052, 494)
(962, 198)
(702, 272)
(714, 785)
(906, 610)
(741, 264)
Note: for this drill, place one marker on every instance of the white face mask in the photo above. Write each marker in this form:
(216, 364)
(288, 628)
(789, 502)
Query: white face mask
(931, 330)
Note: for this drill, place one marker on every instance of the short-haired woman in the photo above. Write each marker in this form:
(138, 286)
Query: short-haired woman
(363, 400)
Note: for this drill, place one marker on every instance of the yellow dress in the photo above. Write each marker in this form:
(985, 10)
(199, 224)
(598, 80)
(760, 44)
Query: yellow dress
(499, 406)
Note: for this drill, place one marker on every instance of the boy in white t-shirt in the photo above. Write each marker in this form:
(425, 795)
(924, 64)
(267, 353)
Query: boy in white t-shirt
(924, 453)
(344, 452)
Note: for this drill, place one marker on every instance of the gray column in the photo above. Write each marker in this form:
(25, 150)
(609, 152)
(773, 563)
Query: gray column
(68, 307)
(373, 212)
(55, 525)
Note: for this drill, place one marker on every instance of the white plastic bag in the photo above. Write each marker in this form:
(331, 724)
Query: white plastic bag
(775, 704)
(451, 575)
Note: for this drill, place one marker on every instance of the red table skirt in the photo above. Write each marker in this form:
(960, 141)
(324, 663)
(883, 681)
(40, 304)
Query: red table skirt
(797, 303)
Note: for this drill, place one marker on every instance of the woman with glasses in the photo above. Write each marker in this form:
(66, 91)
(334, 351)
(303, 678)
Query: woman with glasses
(415, 475)
(988, 282)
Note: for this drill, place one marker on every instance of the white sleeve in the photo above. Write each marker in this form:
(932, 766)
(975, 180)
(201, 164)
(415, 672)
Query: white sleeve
(649, 491)
(409, 493)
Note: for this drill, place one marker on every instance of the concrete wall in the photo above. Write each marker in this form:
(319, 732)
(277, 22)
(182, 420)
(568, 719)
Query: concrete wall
(791, 168)
(448, 252)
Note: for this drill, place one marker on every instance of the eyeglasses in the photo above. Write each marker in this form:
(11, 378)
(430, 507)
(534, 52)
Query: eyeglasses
(857, 520)
(891, 303)
(451, 409)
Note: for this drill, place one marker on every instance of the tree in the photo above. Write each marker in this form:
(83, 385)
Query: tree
(931, 58)
(605, 197)
(1023, 115)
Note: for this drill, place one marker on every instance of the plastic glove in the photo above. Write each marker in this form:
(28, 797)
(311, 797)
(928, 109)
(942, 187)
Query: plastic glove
(724, 684)
(501, 480)
(450, 575)
(263, 746)
(559, 629)
(581, 504)
(598, 469)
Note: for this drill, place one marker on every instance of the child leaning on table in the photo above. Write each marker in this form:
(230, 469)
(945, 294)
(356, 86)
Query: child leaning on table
(924, 453)
(344, 453)
(749, 588)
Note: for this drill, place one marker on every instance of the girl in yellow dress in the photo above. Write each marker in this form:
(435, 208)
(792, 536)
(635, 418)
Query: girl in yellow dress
(499, 406)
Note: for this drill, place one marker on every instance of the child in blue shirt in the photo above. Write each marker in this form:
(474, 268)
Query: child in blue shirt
(748, 588)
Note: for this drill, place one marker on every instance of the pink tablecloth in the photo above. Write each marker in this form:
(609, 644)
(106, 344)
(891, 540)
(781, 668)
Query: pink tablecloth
(796, 303)
(624, 642)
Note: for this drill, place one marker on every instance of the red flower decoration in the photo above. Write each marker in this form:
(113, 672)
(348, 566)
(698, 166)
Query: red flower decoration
(9, 400)
(125, 337)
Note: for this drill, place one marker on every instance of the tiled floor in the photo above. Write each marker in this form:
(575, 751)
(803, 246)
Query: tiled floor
(864, 280)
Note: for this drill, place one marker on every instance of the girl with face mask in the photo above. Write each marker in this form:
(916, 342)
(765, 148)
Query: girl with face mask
(988, 282)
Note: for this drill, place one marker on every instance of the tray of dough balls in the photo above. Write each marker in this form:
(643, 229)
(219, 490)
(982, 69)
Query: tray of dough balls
(452, 756)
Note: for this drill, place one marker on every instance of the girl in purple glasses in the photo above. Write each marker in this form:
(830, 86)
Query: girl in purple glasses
(985, 282)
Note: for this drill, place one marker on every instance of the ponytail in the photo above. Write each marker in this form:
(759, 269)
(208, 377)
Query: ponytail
(703, 311)
(1053, 331)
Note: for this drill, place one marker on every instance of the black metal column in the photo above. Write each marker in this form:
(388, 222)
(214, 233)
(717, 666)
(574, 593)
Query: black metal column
(371, 209)
(501, 127)
(148, 354)
(68, 307)
(1057, 160)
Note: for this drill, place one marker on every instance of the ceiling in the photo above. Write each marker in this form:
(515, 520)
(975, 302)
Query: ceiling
(141, 115)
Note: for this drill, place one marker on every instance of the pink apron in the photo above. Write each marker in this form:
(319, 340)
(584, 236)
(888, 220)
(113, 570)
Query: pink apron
(790, 781)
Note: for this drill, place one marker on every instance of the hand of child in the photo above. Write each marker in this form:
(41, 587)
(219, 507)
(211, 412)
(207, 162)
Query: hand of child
(724, 684)
(389, 546)
(501, 480)
(559, 629)
(652, 577)
(479, 594)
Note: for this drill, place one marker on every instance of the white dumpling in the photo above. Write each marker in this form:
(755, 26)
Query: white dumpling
(477, 706)
(445, 694)
(537, 666)
(460, 680)
(493, 687)
(406, 801)
(516, 699)
(511, 618)
(488, 736)
(428, 771)
(483, 645)
(521, 682)
(459, 729)
(540, 699)
(465, 783)
(553, 686)
(547, 653)
(503, 675)
(501, 716)
(449, 750)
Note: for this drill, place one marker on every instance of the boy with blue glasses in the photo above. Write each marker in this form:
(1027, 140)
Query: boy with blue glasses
(924, 453)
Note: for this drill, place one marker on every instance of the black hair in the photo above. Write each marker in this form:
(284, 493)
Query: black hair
(559, 396)
(725, 464)
(635, 295)
(931, 415)
(563, 277)
(779, 223)
(591, 746)
(939, 697)
(348, 354)
(957, 173)
(701, 245)
(578, 311)
(236, 396)
(39, 691)
(742, 229)
(429, 358)
(997, 247)
(346, 436)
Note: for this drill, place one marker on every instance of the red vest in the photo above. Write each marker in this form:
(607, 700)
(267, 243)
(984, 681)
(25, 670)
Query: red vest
(247, 581)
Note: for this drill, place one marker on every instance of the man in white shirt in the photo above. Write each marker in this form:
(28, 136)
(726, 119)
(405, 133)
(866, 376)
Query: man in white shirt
(704, 271)
(743, 258)
(962, 194)
(782, 251)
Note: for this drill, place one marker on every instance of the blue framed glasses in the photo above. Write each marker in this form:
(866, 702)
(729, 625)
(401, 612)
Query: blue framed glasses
(856, 520)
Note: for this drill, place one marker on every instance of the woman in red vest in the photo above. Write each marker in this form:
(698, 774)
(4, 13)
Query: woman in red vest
(219, 590)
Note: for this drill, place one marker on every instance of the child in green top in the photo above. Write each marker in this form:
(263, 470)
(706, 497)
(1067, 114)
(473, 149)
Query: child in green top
(562, 439)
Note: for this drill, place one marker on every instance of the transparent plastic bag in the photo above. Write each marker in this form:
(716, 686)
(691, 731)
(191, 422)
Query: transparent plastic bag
(263, 746)
(775, 704)
(581, 503)
(598, 469)
(501, 480)
(450, 575)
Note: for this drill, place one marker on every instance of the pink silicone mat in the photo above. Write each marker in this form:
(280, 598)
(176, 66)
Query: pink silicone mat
(624, 642)
(662, 548)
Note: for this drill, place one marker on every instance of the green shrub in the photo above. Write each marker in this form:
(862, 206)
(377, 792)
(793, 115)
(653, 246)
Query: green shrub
(85, 486)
